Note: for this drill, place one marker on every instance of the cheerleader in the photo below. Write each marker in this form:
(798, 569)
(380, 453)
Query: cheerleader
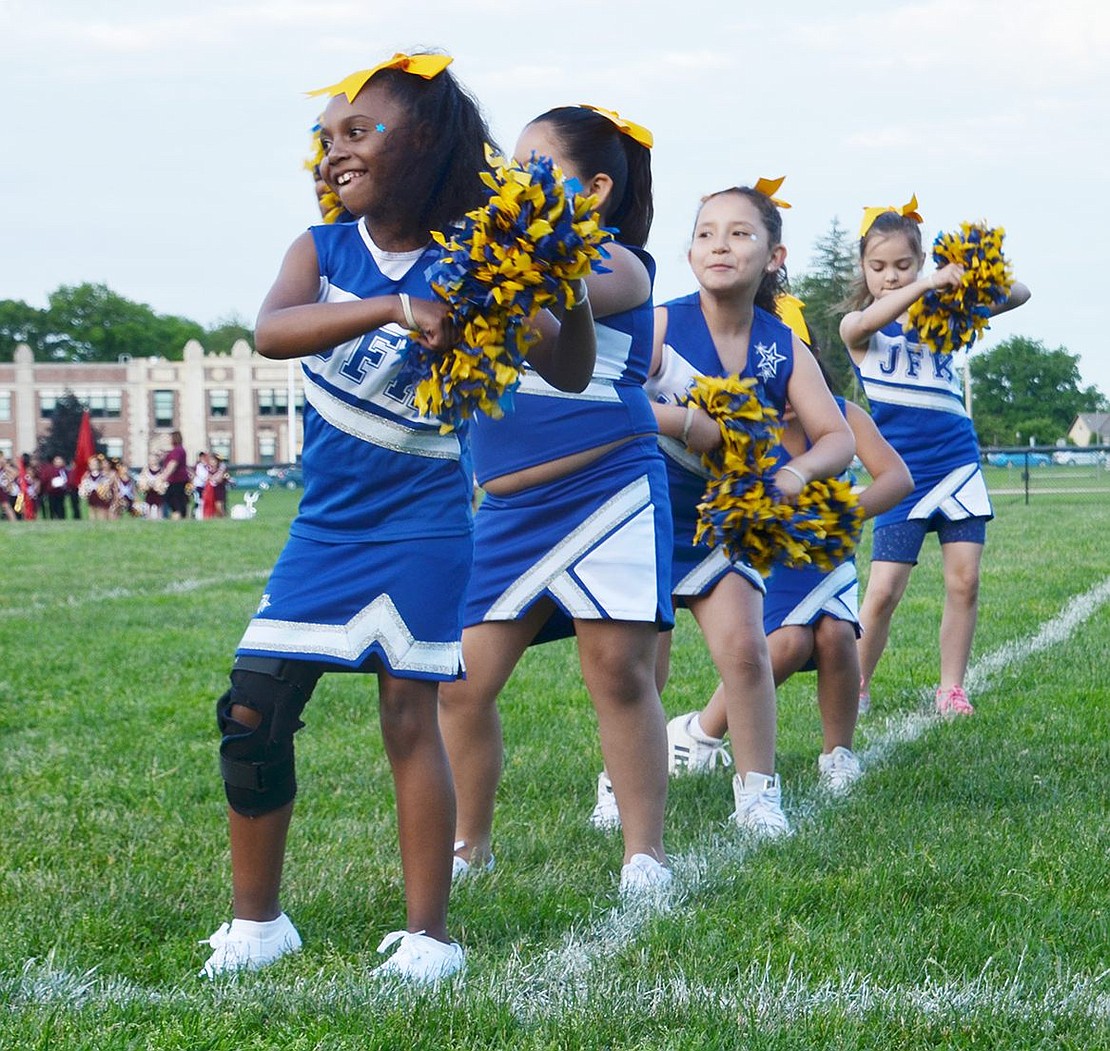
(917, 403)
(98, 489)
(153, 487)
(811, 621)
(372, 577)
(728, 327)
(573, 536)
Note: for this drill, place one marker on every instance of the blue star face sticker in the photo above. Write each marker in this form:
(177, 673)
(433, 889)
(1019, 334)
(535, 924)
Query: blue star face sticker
(769, 358)
(379, 128)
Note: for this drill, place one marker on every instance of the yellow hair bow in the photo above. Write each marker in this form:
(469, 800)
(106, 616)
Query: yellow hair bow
(791, 311)
(426, 66)
(636, 132)
(907, 211)
(769, 187)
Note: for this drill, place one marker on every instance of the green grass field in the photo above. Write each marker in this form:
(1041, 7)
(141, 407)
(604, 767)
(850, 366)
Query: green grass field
(958, 898)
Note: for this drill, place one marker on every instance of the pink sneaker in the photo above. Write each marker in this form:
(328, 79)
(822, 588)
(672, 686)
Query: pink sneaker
(953, 701)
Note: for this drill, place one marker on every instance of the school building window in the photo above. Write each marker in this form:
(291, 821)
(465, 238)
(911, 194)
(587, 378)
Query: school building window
(219, 403)
(163, 408)
(276, 402)
(267, 448)
(113, 448)
(221, 445)
(5, 405)
(273, 402)
(48, 402)
(6, 448)
(104, 404)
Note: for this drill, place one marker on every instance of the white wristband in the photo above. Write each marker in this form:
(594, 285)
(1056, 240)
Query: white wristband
(406, 306)
(583, 299)
(796, 473)
(688, 423)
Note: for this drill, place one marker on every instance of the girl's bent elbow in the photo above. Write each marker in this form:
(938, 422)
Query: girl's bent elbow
(575, 383)
(267, 342)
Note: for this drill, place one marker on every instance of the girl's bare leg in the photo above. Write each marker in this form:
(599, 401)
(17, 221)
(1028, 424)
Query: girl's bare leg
(471, 724)
(619, 665)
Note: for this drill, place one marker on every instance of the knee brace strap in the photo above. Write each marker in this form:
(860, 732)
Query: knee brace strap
(257, 763)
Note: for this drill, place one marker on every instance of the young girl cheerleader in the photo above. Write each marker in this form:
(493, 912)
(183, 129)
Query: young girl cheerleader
(372, 576)
(917, 403)
(811, 621)
(574, 533)
(728, 327)
(98, 488)
(153, 487)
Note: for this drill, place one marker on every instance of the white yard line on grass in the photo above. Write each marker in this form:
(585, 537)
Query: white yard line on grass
(566, 969)
(573, 974)
(756, 996)
(174, 587)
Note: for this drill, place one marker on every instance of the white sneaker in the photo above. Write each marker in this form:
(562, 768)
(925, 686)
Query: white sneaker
(644, 876)
(839, 770)
(759, 805)
(246, 945)
(605, 816)
(691, 751)
(420, 959)
(461, 869)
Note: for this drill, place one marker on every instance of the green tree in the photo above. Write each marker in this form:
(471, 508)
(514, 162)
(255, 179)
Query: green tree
(823, 288)
(93, 323)
(220, 338)
(1023, 390)
(20, 323)
(61, 438)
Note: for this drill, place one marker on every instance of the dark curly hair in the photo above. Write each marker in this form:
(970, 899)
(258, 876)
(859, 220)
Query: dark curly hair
(435, 160)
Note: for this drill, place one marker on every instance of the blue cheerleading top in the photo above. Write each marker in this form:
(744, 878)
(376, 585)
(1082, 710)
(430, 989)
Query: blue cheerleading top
(374, 468)
(917, 403)
(545, 424)
(689, 352)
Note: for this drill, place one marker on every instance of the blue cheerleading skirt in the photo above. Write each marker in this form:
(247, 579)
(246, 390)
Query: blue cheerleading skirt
(804, 595)
(392, 605)
(596, 542)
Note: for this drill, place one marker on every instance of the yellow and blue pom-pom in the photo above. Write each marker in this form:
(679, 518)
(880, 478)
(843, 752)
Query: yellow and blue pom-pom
(509, 259)
(947, 320)
(826, 521)
(743, 512)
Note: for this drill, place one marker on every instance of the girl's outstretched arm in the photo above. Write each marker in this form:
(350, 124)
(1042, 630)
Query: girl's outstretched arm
(1019, 295)
(891, 480)
(832, 445)
(291, 324)
(857, 328)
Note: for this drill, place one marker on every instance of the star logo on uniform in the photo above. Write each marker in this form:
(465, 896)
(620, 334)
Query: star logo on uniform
(264, 604)
(769, 358)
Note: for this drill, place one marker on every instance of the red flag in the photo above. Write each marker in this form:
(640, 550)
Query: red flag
(86, 448)
(24, 504)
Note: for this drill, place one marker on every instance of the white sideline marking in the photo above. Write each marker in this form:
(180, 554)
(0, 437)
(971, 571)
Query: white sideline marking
(567, 977)
(756, 994)
(580, 950)
(174, 587)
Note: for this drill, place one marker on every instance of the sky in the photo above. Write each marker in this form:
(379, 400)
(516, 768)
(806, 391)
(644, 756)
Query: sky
(158, 147)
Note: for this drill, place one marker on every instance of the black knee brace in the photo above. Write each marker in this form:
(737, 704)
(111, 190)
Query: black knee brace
(257, 763)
